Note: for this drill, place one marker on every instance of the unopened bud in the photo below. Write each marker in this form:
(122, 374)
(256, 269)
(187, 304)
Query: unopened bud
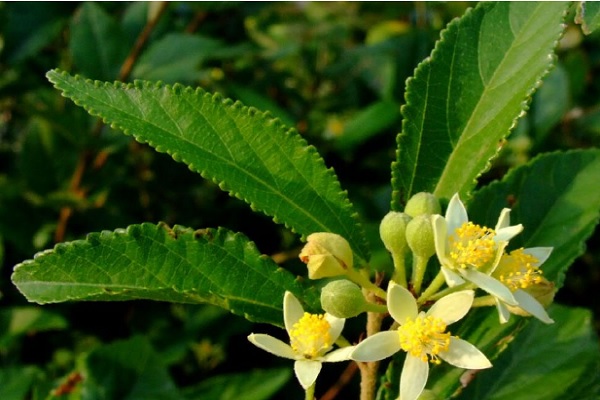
(343, 299)
(326, 255)
(419, 236)
(392, 231)
(422, 203)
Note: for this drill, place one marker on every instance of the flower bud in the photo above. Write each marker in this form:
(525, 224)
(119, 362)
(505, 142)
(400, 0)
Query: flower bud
(419, 236)
(342, 299)
(326, 255)
(422, 203)
(392, 231)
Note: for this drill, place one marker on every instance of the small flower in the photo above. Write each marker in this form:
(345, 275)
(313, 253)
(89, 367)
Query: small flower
(423, 337)
(311, 338)
(519, 271)
(326, 255)
(467, 251)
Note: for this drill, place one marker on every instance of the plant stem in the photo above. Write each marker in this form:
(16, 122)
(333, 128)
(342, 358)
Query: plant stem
(364, 282)
(368, 371)
(484, 301)
(310, 392)
(433, 287)
(399, 275)
(419, 267)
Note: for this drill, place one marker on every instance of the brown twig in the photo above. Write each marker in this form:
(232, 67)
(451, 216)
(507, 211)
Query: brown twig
(343, 380)
(85, 157)
(140, 42)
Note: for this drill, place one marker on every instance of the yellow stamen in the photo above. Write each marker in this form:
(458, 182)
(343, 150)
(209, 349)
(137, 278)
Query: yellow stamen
(424, 337)
(310, 335)
(518, 270)
(472, 245)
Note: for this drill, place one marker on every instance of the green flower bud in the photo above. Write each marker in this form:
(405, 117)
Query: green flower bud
(422, 203)
(419, 236)
(343, 299)
(326, 255)
(392, 231)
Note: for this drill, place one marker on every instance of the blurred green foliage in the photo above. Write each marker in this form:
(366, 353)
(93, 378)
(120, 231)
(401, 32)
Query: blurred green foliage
(334, 71)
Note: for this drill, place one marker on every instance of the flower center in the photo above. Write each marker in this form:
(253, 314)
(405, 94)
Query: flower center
(472, 245)
(310, 335)
(518, 270)
(423, 337)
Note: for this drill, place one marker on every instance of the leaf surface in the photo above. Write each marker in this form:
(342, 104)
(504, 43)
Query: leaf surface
(464, 99)
(246, 152)
(153, 262)
(557, 199)
(558, 361)
(588, 15)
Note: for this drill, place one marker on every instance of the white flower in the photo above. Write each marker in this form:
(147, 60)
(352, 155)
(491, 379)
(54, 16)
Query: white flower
(424, 338)
(311, 338)
(519, 271)
(467, 251)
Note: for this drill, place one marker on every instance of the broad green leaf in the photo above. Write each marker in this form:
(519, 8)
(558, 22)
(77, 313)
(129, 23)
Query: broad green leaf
(98, 45)
(19, 321)
(128, 370)
(26, 30)
(153, 262)
(254, 385)
(558, 361)
(468, 94)
(15, 382)
(247, 152)
(557, 199)
(368, 123)
(588, 15)
(174, 58)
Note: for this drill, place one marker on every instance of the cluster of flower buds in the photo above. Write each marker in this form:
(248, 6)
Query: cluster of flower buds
(473, 269)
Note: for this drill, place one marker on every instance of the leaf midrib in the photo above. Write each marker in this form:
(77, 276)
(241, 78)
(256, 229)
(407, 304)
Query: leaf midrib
(227, 162)
(487, 87)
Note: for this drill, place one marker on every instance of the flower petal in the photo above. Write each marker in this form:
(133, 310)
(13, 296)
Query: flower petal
(341, 354)
(456, 214)
(528, 303)
(503, 312)
(507, 233)
(452, 278)
(452, 307)
(377, 347)
(503, 219)
(540, 253)
(440, 235)
(490, 285)
(414, 377)
(336, 326)
(292, 310)
(463, 354)
(307, 372)
(401, 303)
(272, 345)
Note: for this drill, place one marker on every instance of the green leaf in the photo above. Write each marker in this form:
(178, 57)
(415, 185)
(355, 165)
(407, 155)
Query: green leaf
(466, 97)
(558, 361)
(19, 321)
(254, 385)
(128, 370)
(557, 199)
(588, 15)
(16, 382)
(248, 153)
(368, 123)
(98, 45)
(174, 58)
(153, 262)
